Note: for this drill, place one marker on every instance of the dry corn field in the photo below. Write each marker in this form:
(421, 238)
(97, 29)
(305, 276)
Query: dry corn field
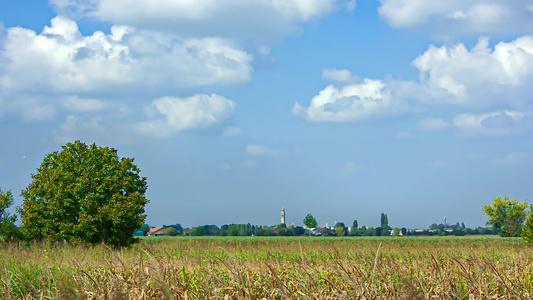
(272, 268)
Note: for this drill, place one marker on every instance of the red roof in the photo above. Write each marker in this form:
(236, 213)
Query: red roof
(155, 230)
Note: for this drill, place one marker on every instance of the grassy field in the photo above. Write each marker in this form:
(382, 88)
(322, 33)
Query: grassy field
(272, 268)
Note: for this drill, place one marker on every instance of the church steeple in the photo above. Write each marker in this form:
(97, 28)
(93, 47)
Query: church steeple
(282, 215)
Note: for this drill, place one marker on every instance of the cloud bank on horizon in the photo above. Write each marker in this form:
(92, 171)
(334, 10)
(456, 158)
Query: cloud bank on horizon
(210, 79)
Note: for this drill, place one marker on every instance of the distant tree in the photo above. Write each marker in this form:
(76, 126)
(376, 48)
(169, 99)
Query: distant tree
(85, 193)
(8, 230)
(299, 231)
(354, 224)
(463, 225)
(199, 231)
(138, 233)
(378, 231)
(234, 230)
(404, 231)
(384, 222)
(506, 216)
(171, 231)
(340, 224)
(434, 226)
(310, 221)
(223, 233)
(145, 228)
(340, 231)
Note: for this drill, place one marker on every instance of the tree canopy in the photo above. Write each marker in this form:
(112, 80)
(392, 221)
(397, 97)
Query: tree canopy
(506, 216)
(310, 221)
(85, 193)
(8, 230)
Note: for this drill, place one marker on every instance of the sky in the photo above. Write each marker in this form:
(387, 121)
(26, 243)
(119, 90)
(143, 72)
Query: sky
(234, 109)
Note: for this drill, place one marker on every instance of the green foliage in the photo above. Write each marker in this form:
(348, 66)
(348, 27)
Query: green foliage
(310, 221)
(145, 228)
(171, 231)
(85, 193)
(379, 230)
(223, 233)
(506, 216)
(527, 231)
(199, 231)
(385, 222)
(8, 230)
(340, 231)
(354, 224)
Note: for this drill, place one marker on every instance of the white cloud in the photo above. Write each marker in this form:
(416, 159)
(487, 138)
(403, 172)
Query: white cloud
(225, 167)
(351, 103)
(60, 59)
(232, 131)
(511, 159)
(433, 124)
(266, 20)
(450, 18)
(480, 76)
(196, 112)
(75, 128)
(351, 5)
(339, 76)
(350, 167)
(259, 150)
(33, 112)
(499, 123)
(76, 104)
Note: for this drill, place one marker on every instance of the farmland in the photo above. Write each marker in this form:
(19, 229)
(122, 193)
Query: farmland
(272, 268)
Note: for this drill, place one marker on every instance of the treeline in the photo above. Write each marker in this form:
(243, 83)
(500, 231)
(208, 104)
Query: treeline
(338, 230)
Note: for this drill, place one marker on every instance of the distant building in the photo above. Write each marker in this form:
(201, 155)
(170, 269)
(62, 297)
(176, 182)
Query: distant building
(156, 231)
(282, 215)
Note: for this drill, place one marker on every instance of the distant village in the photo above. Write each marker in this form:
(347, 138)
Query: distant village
(338, 229)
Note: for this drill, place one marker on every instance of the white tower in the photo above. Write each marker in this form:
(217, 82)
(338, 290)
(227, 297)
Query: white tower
(283, 215)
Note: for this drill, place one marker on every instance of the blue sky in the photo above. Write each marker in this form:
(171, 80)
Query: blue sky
(233, 109)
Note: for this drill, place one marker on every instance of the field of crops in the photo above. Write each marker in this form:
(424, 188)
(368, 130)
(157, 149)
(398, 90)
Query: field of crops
(272, 268)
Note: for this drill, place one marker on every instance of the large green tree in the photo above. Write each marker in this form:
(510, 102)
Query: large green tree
(506, 216)
(8, 230)
(85, 193)
(310, 221)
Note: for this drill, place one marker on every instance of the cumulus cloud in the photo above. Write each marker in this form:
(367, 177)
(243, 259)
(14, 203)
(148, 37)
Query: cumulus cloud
(450, 18)
(479, 76)
(231, 131)
(350, 103)
(265, 20)
(76, 104)
(511, 159)
(34, 112)
(433, 124)
(259, 150)
(60, 59)
(76, 127)
(196, 112)
(499, 123)
(339, 76)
